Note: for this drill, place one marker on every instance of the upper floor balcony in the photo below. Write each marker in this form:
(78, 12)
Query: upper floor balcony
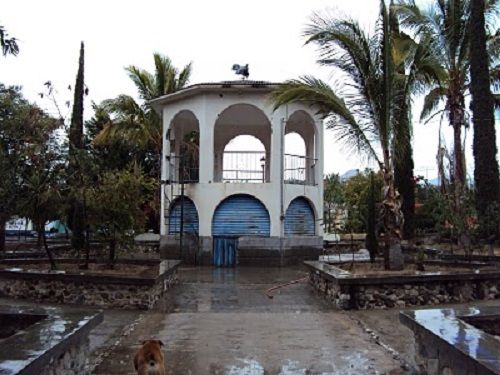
(241, 142)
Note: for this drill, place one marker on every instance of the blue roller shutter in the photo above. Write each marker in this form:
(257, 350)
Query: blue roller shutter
(241, 215)
(191, 223)
(299, 218)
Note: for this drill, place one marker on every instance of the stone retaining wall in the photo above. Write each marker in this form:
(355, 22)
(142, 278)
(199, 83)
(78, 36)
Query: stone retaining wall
(72, 361)
(106, 291)
(347, 292)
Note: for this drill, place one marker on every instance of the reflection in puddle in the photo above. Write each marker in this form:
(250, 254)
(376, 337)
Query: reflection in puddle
(292, 368)
(250, 367)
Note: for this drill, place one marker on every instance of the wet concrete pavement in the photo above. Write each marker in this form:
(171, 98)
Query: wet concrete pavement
(219, 321)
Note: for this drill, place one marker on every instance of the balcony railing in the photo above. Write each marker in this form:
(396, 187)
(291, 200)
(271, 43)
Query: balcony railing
(184, 169)
(244, 166)
(299, 169)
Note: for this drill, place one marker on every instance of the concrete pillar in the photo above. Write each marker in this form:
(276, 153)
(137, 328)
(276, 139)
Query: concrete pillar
(165, 169)
(207, 123)
(276, 169)
(319, 173)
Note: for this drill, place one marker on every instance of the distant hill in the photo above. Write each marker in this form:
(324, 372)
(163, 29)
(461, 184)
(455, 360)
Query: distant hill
(349, 174)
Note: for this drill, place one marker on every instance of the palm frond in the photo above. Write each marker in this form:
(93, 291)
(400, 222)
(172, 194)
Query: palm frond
(431, 102)
(143, 80)
(184, 76)
(328, 104)
(345, 46)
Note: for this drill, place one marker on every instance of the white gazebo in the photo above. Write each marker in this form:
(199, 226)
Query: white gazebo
(226, 205)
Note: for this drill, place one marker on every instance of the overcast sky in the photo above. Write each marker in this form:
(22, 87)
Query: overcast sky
(215, 34)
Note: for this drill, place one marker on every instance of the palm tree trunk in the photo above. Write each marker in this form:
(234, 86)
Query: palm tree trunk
(486, 175)
(456, 117)
(393, 220)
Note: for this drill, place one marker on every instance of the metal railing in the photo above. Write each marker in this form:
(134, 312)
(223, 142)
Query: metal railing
(299, 169)
(184, 169)
(244, 166)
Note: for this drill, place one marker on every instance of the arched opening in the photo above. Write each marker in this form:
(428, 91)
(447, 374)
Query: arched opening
(299, 218)
(241, 215)
(246, 166)
(184, 137)
(242, 145)
(300, 143)
(183, 210)
(295, 159)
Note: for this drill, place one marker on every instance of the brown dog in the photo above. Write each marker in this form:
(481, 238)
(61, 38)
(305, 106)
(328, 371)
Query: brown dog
(149, 359)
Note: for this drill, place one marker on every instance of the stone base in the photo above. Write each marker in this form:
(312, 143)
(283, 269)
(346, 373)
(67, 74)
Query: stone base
(72, 361)
(116, 291)
(261, 251)
(352, 292)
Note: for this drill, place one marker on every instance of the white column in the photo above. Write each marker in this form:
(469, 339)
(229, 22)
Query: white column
(165, 170)
(277, 149)
(319, 172)
(207, 123)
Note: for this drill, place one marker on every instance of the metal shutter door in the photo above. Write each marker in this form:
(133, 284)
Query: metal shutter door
(241, 215)
(299, 218)
(191, 223)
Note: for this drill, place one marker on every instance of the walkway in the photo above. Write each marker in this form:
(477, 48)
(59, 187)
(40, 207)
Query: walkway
(219, 321)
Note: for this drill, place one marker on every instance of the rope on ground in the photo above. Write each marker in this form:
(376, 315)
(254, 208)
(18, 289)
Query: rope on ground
(268, 291)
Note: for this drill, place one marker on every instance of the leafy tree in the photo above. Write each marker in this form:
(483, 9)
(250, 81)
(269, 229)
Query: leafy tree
(9, 45)
(485, 162)
(114, 205)
(361, 110)
(23, 128)
(333, 197)
(43, 180)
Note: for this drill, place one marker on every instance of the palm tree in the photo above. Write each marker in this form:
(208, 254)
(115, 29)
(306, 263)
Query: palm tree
(362, 110)
(138, 123)
(446, 24)
(486, 166)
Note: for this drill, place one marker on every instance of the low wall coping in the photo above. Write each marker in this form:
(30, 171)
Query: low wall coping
(165, 268)
(343, 277)
(446, 324)
(29, 351)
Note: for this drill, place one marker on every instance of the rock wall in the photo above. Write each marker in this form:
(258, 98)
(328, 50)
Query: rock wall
(72, 361)
(88, 293)
(385, 296)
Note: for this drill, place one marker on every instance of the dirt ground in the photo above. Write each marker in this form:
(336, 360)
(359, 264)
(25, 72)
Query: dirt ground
(219, 321)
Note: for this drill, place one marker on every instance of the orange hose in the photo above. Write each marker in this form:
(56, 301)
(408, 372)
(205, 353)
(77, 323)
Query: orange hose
(282, 285)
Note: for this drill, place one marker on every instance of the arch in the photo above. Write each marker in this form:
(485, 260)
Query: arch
(300, 218)
(246, 166)
(241, 215)
(190, 221)
(242, 119)
(299, 167)
(184, 137)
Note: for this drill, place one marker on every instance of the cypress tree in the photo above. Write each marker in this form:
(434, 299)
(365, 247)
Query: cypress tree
(76, 145)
